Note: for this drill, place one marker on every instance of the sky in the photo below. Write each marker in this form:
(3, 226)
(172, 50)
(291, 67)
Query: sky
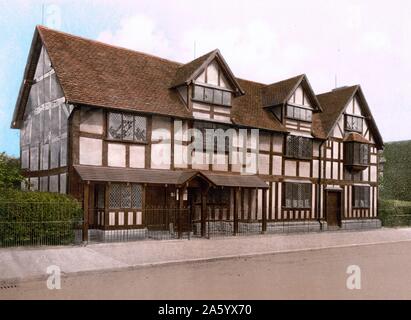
(339, 43)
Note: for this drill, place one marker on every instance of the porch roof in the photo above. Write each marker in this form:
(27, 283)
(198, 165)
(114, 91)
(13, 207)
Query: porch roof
(110, 174)
(230, 180)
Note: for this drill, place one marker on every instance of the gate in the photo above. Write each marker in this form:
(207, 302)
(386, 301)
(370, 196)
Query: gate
(167, 223)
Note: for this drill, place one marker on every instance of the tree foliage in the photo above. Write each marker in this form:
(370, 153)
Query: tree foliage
(396, 181)
(10, 172)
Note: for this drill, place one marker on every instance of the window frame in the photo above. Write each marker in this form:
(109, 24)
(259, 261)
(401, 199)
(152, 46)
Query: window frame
(223, 91)
(360, 191)
(123, 187)
(353, 158)
(294, 189)
(122, 139)
(293, 117)
(298, 156)
(347, 116)
(213, 126)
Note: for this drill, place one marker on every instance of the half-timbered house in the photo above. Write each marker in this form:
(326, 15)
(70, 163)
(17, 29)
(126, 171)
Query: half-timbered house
(135, 137)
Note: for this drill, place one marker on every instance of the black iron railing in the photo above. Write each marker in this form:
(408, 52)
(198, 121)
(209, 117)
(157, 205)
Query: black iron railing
(39, 223)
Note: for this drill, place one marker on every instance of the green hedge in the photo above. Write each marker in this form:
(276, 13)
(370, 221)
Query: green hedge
(396, 181)
(395, 213)
(37, 218)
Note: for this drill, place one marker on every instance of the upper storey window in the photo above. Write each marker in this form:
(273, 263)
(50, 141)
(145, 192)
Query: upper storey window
(127, 127)
(353, 123)
(298, 113)
(356, 155)
(211, 95)
(299, 147)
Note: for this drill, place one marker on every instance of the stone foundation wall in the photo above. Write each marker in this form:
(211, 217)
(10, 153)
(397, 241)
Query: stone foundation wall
(359, 224)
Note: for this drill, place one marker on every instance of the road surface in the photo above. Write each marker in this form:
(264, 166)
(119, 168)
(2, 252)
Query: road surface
(319, 274)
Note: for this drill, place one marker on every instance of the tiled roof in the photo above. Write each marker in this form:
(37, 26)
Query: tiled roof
(333, 104)
(355, 137)
(185, 71)
(95, 173)
(277, 93)
(94, 73)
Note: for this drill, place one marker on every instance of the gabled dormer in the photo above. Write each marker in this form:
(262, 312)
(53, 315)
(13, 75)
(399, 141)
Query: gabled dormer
(293, 103)
(347, 117)
(207, 86)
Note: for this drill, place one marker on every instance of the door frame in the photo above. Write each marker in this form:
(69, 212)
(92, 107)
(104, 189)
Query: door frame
(340, 211)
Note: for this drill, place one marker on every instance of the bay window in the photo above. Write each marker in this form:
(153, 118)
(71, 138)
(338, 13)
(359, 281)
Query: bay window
(356, 154)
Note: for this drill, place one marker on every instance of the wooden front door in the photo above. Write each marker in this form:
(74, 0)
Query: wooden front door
(333, 208)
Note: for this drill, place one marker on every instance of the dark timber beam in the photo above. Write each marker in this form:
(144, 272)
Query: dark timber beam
(86, 210)
(264, 207)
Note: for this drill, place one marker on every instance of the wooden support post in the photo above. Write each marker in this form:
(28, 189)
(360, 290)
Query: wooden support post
(203, 212)
(86, 209)
(180, 208)
(264, 208)
(236, 196)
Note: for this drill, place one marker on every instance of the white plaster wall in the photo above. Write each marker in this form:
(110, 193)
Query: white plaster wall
(161, 146)
(263, 163)
(328, 170)
(335, 150)
(373, 173)
(335, 170)
(277, 143)
(290, 168)
(315, 168)
(91, 120)
(212, 73)
(116, 155)
(137, 156)
(220, 162)
(199, 161)
(200, 115)
(277, 165)
(91, 151)
(264, 141)
(304, 169)
(180, 156)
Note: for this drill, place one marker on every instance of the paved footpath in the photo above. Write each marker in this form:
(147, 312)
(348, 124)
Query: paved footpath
(23, 264)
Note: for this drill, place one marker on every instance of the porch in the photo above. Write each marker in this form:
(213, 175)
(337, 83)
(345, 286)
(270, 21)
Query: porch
(131, 204)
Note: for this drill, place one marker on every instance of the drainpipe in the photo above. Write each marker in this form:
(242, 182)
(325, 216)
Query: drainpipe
(319, 183)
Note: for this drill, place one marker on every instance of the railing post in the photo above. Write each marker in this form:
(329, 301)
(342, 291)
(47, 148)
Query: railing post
(86, 208)
(203, 212)
(180, 208)
(236, 191)
(264, 208)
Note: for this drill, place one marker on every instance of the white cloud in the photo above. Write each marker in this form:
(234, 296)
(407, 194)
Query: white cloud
(266, 41)
(140, 33)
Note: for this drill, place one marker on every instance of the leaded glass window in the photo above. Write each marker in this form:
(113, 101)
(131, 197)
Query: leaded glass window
(299, 147)
(127, 127)
(298, 113)
(297, 195)
(123, 195)
(353, 123)
(361, 197)
(212, 95)
(136, 196)
(356, 153)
